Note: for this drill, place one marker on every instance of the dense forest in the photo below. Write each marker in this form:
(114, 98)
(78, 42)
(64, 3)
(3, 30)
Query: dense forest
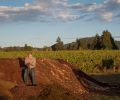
(103, 42)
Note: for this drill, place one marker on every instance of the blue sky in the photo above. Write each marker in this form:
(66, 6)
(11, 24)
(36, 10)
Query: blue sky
(40, 22)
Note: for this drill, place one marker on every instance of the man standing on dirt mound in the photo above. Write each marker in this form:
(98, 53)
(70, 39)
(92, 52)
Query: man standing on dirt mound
(30, 63)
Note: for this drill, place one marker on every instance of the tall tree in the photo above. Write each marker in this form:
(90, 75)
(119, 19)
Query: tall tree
(58, 40)
(28, 48)
(96, 44)
(78, 44)
(59, 45)
(107, 41)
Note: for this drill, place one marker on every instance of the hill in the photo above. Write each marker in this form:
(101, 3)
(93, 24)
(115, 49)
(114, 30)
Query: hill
(56, 80)
(86, 41)
(118, 44)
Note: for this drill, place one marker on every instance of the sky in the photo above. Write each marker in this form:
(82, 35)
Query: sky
(39, 22)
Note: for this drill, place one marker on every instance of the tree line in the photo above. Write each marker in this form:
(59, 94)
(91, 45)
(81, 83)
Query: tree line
(17, 48)
(105, 41)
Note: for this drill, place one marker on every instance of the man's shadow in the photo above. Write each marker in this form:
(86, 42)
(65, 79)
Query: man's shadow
(23, 69)
(22, 66)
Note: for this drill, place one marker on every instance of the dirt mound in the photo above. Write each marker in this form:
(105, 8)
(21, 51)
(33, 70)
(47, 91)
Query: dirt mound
(48, 71)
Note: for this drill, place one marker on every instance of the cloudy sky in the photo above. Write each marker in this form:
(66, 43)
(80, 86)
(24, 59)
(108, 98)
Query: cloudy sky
(40, 22)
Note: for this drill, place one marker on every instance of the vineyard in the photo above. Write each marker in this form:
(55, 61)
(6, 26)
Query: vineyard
(87, 60)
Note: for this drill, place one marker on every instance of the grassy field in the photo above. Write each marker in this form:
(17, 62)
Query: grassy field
(87, 60)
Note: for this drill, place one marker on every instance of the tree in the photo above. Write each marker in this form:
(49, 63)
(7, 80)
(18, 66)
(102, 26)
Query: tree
(46, 48)
(78, 44)
(88, 46)
(72, 46)
(27, 48)
(96, 44)
(59, 45)
(0, 48)
(107, 41)
(58, 39)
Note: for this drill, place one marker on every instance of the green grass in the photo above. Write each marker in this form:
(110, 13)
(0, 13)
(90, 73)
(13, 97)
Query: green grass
(87, 60)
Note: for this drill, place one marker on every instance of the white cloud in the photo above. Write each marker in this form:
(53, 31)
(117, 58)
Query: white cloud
(36, 11)
(66, 16)
(92, 7)
(48, 10)
(103, 11)
(4, 15)
(106, 16)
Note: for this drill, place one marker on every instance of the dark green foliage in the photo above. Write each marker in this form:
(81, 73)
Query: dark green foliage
(105, 41)
(17, 48)
(46, 48)
(27, 48)
(108, 41)
(96, 45)
(108, 63)
(88, 46)
(58, 46)
(12, 49)
(84, 43)
(72, 46)
(78, 44)
(58, 40)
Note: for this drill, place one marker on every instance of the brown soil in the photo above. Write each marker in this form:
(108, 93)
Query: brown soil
(48, 71)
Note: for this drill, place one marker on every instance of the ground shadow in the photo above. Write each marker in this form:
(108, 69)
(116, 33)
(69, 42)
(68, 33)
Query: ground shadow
(22, 66)
(110, 78)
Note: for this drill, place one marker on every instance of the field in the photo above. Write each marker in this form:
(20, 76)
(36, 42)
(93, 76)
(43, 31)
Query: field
(101, 62)
(87, 60)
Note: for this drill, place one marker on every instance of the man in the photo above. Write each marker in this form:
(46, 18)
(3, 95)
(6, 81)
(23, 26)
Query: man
(30, 63)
